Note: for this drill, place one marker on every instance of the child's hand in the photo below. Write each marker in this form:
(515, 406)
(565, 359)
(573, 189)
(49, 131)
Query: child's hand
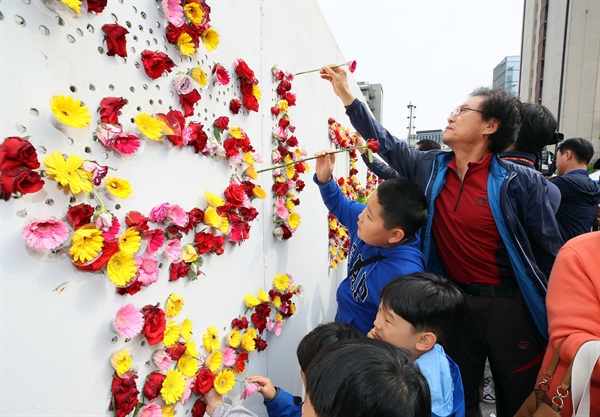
(265, 386)
(324, 166)
(212, 400)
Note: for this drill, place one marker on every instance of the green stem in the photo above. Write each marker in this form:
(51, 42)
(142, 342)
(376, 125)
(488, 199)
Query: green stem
(308, 159)
(319, 69)
(102, 207)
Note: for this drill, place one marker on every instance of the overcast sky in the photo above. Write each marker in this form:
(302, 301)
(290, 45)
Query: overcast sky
(430, 53)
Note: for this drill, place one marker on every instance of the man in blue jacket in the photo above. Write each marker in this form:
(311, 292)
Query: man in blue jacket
(490, 228)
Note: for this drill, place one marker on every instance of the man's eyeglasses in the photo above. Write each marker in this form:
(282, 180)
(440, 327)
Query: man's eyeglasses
(460, 109)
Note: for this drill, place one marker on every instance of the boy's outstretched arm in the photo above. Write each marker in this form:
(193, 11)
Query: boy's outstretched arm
(265, 386)
(324, 166)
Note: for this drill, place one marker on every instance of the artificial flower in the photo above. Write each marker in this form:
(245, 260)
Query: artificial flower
(176, 215)
(263, 297)
(124, 394)
(121, 362)
(96, 6)
(155, 63)
(211, 339)
(186, 45)
(161, 359)
(171, 334)
(70, 111)
(17, 152)
(224, 381)
(213, 219)
(259, 192)
(235, 106)
(221, 74)
(68, 172)
(187, 101)
(87, 242)
(248, 342)
(150, 410)
(129, 321)
(130, 241)
(213, 199)
(45, 233)
(186, 329)
(174, 305)
(172, 250)
(240, 362)
(189, 382)
(188, 365)
(251, 388)
(121, 269)
(173, 386)
(115, 41)
(191, 349)
(96, 171)
(147, 270)
(210, 38)
(214, 361)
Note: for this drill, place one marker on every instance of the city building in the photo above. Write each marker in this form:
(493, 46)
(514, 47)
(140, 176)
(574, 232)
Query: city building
(560, 63)
(506, 74)
(373, 94)
(435, 135)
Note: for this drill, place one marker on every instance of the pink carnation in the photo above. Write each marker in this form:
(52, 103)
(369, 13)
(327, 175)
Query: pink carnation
(158, 213)
(129, 321)
(162, 360)
(251, 388)
(177, 215)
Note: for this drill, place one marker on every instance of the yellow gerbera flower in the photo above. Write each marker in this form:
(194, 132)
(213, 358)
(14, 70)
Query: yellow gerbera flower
(252, 332)
(259, 192)
(234, 338)
(118, 187)
(174, 305)
(186, 45)
(236, 132)
(121, 268)
(256, 92)
(188, 365)
(199, 76)
(73, 4)
(276, 301)
(213, 219)
(130, 241)
(70, 111)
(292, 308)
(248, 158)
(210, 38)
(251, 172)
(87, 242)
(289, 204)
(121, 361)
(279, 318)
(188, 253)
(248, 342)
(290, 171)
(224, 381)
(294, 220)
(69, 172)
(171, 334)
(282, 105)
(211, 339)
(251, 301)
(186, 329)
(214, 361)
(168, 410)
(194, 12)
(149, 126)
(334, 264)
(213, 199)
(263, 296)
(173, 386)
(281, 282)
(191, 349)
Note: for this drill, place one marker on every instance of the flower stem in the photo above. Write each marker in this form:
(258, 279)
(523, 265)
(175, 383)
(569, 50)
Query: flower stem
(319, 69)
(309, 158)
(102, 207)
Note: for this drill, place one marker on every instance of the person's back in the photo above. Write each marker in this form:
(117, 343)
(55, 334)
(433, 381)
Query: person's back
(414, 313)
(580, 194)
(383, 240)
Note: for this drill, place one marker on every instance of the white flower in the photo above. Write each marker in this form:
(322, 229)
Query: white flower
(184, 84)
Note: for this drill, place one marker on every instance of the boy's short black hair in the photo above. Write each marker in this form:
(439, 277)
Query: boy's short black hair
(427, 301)
(321, 336)
(581, 148)
(537, 128)
(403, 205)
(366, 378)
(427, 144)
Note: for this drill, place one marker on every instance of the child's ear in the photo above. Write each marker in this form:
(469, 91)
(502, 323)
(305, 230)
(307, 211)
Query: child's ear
(397, 235)
(426, 342)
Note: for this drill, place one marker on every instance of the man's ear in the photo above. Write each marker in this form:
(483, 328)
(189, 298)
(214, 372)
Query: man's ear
(426, 342)
(492, 125)
(396, 236)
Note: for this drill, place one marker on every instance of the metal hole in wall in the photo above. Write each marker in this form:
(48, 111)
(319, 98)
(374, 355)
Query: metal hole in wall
(70, 140)
(128, 24)
(163, 39)
(132, 120)
(158, 25)
(151, 101)
(114, 17)
(121, 1)
(145, 87)
(144, 15)
(137, 64)
(138, 108)
(117, 206)
(20, 128)
(150, 31)
(217, 99)
(134, 9)
(170, 108)
(90, 28)
(79, 32)
(135, 38)
(26, 1)
(147, 42)
(44, 30)
(49, 202)
(88, 149)
(1, 16)
(206, 119)
(132, 89)
(115, 339)
(34, 111)
(22, 213)
(143, 343)
(43, 149)
(111, 87)
(71, 38)
(171, 93)
(155, 41)
(101, 50)
(160, 101)
(20, 21)
(72, 200)
(157, 87)
(92, 87)
(210, 96)
(141, 28)
(105, 155)
(73, 89)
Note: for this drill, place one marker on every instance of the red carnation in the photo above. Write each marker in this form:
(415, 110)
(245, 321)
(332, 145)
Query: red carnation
(109, 109)
(290, 98)
(155, 324)
(153, 385)
(124, 393)
(244, 72)
(240, 324)
(198, 409)
(178, 270)
(188, 100)
(155, 63)
(131, 289)
(280, 188)
(240, 362)
(260, 344)
(137, 219)
(176, 351)
(222, 123)
(235, 105)
(115, 39)
(198, 137)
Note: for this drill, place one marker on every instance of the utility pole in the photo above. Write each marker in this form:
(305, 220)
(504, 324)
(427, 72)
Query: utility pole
(411, 116)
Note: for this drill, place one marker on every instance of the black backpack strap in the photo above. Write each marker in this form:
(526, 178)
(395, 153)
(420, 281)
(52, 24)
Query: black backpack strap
(361, 264)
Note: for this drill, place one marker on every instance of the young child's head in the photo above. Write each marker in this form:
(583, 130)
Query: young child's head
(365, 378)
(415, 311)
(393, 214)
(321, 336)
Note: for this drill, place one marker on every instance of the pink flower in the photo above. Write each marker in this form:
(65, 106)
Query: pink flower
(280, 134)
(162, 360)
(177, 215)
(45, 233)
(184, 84)
(189, 383)
(98, 171)
(173, 250)
(155, 238)
(281, 209)
(127, 143)
(186, 135)
(228, 356)
(109, 225)
(251, 388)
(107, 133)
(158, 213)
(129, 321)
(351, 66)
(150, 410)
(274, 326)
(174, 11)
(221, 73)
(276, 157)
(147, 272)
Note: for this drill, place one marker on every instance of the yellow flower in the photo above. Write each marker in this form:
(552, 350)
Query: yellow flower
(259, 192)
(118, 187)
(332, 224)
(186, 329)
(292, 308)
(333, 251)
(186, 44)
(121, 268)
(149, 126)
(234, 338)
(279, 318)
(251, 301)
(171, 334)
(248, 342)
(334, 264)
(173, 386)
(87, 242)
(213, 219)
(236, 132)
(130, 241)
(188, 253)
(70, 111)
(188, 365)
(251, 172)
(174, 305)
(194, 12)
(168, 411)
(73, 4)
(210, 38)
(290, 171)
(224, 381)
(214, 361)
(213, 199)
(256, 92)
(199, 76)
(281, 282)
(263, 296)
(294, 220)
(211, 339)
(121, 361)
(276, 301)
(282, 105)
(248, 158)
(191, 349)
(69, 172)
(252, 332)
(289, 204)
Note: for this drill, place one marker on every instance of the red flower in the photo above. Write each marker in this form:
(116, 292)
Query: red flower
(20, 180)
(79, 215)
(352, 65)
(287, 233)
(124, 393)
(222, 123)
(96, 6)
(178, 270)
(235, 105)
(188, 100)
(198, 409)
(240, 362)
(155, 239)
(173, 32)
(244, 72)
(109, 108)
(153, 385)
(331, 121)
(155, 63)
(155, 324)
(137, 219)
(196, 216)
(235, 194)
(373, 145)
(284, 122)
(131, 289)
(198, 137)
(231, 148)
(249, 213)
(275, 111)
(204, 381)
(221, 73)
(260, 322)
(109, 248)
(209, 243)
(290, 98)
(300, 185)
(292, 141)
(280, 188)
(283, 87)
(175, 120)
(240, 324)
(248, 98)
(115, 39)
(176, 351)
(17, 152)
(260, 344)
